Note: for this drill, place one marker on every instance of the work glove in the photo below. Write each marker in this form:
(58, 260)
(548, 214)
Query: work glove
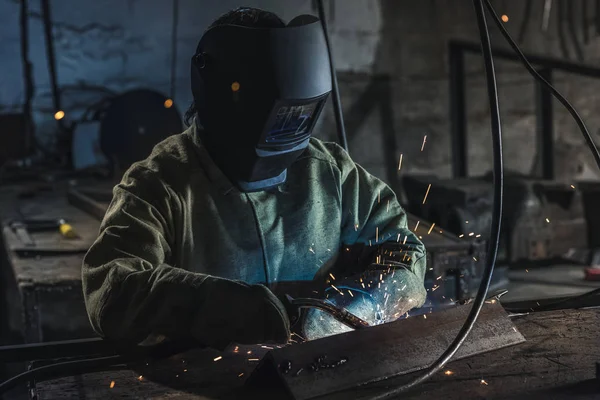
(379, 295)
(235, 312)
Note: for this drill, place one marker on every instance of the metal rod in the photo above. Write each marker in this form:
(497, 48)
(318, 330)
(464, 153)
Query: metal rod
(525, 22)
(27, 74)
(458, 110)
(337, 104)
(572, 31)
(174, 24)
(560, 28)
(542, 61)
(545, 125)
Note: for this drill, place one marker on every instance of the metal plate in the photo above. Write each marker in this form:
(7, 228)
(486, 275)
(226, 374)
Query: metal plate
(382, 352)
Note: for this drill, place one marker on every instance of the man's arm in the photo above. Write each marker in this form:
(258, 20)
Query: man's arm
(132, 290)
(372, 218)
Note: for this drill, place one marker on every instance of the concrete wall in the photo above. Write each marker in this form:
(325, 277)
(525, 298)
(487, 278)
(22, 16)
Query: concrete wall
(126, 44)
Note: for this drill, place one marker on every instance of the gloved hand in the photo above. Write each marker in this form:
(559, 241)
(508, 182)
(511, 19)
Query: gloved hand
(235, 312)
(378, 296)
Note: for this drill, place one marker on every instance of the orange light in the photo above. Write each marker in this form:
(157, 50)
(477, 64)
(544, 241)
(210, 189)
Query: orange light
(504, 18)
(112, 384)
(168, 103)
(59, 115)
(235, 86)
(448, 372)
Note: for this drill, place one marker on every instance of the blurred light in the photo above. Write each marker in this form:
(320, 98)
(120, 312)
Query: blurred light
(168, 103)
(504, 18)
(448, 372)
(235, 86)
(59, 115)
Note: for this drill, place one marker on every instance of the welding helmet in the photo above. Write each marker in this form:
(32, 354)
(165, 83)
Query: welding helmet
(258, 93)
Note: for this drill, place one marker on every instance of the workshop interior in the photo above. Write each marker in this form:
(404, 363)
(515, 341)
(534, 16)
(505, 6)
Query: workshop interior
(480, 115)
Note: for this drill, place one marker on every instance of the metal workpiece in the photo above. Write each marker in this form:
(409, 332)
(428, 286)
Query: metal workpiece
(355, 358)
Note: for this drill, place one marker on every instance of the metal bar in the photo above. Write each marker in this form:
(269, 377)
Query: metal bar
(525, 21)
(86, 203)
(543, 61)
(344, 361)
(561, 29)
(390, 146)
(545, 125)
(458, 110)
(60, 349)
(335, 92)
(572, 31)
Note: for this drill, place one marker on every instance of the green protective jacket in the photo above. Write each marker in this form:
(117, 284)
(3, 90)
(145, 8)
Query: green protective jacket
(175, 220)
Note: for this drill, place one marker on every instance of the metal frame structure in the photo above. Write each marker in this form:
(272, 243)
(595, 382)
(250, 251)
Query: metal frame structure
(544, 111)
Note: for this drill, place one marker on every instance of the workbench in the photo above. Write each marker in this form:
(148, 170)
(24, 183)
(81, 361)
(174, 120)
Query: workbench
(43, 293)
(557, 361)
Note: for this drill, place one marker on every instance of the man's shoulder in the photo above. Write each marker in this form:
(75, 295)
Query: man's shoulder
(328, 152)
(170, 159)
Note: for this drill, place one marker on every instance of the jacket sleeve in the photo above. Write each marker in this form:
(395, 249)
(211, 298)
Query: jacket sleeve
(372, 217)
(130, 289)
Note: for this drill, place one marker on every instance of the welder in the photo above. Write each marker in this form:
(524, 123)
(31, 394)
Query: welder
(204, 237)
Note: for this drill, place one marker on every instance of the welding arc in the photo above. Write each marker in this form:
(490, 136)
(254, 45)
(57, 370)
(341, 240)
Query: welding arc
(498, 176)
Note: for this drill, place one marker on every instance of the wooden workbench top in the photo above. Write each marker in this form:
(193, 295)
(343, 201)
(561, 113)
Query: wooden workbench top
(45, 202)
(557, 361)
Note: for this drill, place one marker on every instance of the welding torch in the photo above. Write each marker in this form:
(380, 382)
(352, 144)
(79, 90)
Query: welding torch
(342, 315)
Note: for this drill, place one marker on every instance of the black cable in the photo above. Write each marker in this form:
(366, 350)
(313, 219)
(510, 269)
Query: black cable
(174, 48)
(556, 304)
(580, 124)
(66, 368)
(496, 215)
(337, 104)
(555, 93)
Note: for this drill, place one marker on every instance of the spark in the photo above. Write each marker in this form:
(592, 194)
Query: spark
(417, 226)
(363, 285)
(328, 249)
(572, 186)
(424, 316)
(441, 231)
(514, 329)
(504, 18)
(483, 382)
(426, 193)
(112, 384)
(370, 243)
(400, 163)
(431, 228)
(380, 277)
(403, 287)
(356, 227)
(379, 285)
(438, 278)
(140, 378)
(338, 290)
(311, 250)
(249, 352)
(420, 237)
(240, 375)
(267, 347)
(404, 241)
(376, 234)
(474, 259)
(466, 222)
(461, 235)
(393, 272)
(424, 141)
(433, 289)
(526, 270)
(478, 235)
(218, 358)
(253, 359)
(397, 240)
(331, 275)
(236, 349)
(547, 220)
(185, 370)
(493, 301)
(388, 207)
(379, 197)
(350, 293)
(471, 234)
(448, 372)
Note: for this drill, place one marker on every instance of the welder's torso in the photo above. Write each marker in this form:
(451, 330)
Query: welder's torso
(285, 234)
